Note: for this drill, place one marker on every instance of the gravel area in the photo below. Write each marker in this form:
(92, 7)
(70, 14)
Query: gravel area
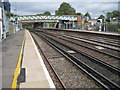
(95, 66)
(71, 76)
(108, 39)
(78, 35)
(105, 58)
(42, 51)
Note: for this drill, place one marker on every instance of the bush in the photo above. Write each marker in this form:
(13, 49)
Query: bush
(113, 27)
(11, 29)
(118, 30)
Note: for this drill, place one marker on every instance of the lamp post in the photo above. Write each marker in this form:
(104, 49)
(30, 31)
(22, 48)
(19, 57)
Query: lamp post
(16, 18)
(104, 20)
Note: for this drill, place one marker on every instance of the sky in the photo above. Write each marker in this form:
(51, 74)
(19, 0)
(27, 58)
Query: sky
(32, 7)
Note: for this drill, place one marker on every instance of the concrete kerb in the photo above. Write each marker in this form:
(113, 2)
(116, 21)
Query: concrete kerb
(51, 84)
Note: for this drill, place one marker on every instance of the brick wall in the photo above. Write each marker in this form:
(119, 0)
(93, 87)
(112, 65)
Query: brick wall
(79, 21)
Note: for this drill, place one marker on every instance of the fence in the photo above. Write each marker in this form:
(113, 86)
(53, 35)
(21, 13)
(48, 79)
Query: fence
(112, 27)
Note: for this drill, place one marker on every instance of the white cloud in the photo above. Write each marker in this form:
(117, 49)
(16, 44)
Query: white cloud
(94, 8)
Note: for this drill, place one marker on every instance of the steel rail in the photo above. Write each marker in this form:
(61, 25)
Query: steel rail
(94, 43)
(84, 46)
(86, 67)
(60, 81)
(81, 68)
(100, 62)
(115, 45)
(82, 40)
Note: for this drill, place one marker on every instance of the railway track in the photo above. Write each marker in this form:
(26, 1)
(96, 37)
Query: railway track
(104, 40)
(61, 84)
(95, 59)
(86, 63)
(113, 46)
(73, 40)
(73, 77)
(112, 56)
(107, 42)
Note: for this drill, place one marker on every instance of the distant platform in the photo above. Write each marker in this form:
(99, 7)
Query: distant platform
(89, 31)
(98, 32)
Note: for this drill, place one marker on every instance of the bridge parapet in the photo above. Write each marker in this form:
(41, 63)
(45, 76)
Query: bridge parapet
(41, 17)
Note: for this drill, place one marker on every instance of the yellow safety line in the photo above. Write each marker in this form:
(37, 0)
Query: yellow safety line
(17, 70)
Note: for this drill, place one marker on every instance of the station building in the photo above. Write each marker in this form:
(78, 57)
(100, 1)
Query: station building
(4, 8)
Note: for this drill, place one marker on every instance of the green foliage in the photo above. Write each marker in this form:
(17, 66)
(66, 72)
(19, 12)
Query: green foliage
(113, 27)
(10, 14)
(115, 14)
(108, 19)
(66, 9)
(39, 14)
(27, 26)
(78, 13)
(11, 29)
(109, 14)
(46, 13)
(85, 21)
(87, 15)
(101, 17)
(14, 15)
(112, 14)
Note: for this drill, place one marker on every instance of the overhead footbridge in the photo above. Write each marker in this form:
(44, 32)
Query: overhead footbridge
(66, 21)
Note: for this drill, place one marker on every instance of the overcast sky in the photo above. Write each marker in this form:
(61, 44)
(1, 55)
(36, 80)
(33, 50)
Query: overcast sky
(94, 7)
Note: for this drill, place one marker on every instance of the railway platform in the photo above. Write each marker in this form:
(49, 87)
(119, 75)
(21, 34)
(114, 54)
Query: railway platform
(37, 75)
(96, 32)
(86, 31)
(10, 53)
(19, 51)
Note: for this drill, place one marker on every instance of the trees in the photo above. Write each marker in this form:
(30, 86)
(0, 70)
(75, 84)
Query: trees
(10, 14)
(46, 13)
(66, 9)
(115, 14)
(39, 14)
(79, 14)
(111, 15)
(87, 16)
(101, 17)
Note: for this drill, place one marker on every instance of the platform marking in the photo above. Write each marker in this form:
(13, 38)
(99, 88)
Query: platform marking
(17, 70)
(43, 65)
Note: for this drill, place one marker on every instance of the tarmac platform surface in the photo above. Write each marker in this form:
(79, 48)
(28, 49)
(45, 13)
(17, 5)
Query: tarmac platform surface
(10, 54)
(37, 75)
